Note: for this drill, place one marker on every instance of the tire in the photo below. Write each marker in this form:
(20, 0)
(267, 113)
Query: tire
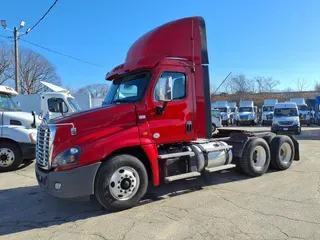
(118, 176)
(255, 157)
(10, 156)
(236, 161)
(282, 152)
(213, 128)
(268, 138)
(298, 132)
(262, 124)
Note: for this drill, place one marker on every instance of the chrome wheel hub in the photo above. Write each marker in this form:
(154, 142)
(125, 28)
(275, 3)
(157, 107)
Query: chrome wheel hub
(124, 183)
(285, 153)
(6, 157)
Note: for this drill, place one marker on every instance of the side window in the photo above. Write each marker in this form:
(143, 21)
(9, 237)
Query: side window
(178, 85)
(54, 105)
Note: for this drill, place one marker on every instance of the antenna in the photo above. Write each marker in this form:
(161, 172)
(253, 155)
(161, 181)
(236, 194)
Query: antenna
(222, 82)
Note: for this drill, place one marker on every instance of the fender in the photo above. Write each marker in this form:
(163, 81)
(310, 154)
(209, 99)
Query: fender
(152, 153)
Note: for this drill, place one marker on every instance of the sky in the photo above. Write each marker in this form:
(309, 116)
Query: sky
(274, 38)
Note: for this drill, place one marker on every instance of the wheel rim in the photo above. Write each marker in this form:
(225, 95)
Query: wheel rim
(124, 183)
(259, 158)
(6, 157)
(285, 153)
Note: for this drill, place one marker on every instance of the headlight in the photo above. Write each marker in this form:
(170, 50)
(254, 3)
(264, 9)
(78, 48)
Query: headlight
(67, 157)
(296, 122)
(33, 137)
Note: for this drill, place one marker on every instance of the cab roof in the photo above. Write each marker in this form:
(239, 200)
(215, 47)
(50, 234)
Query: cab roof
(8, 90)
(286, 105)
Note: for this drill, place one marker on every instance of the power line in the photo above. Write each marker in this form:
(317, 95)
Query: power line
(44, 15)
(59, 53)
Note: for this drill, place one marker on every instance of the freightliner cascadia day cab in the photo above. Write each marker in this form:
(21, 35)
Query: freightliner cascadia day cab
(286, 118)
(18, 132)
(303, 110)
(268, 110)
(224, 109)
(248, 113)
(154, 127)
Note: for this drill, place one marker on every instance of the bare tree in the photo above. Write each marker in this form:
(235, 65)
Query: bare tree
(317, 86)
(95, 90)
(5, 62)
(266, 84)
(301, 84)
(240, 86)
(288, 89)
(34, 68)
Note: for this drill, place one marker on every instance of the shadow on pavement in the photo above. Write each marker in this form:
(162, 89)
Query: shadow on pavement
(28, 208)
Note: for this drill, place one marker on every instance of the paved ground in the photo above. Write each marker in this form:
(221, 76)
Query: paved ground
(278, 205)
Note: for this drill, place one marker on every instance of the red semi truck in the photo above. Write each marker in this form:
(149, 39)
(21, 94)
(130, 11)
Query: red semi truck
(154, 127)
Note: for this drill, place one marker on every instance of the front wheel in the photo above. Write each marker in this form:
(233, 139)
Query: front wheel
(213, 128)
(10, 156)
(121, 182)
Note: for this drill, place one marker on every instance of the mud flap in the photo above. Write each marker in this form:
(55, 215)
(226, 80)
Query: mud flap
(296, 148)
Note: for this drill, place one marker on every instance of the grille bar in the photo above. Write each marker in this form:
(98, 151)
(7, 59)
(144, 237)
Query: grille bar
(45, 139)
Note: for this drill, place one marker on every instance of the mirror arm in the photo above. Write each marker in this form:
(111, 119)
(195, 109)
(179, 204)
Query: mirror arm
(160, 110)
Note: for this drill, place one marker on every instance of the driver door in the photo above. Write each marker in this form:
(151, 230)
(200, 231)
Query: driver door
(176, 123)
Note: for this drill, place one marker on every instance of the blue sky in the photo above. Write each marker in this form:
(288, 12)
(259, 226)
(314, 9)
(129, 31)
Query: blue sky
(278, 38)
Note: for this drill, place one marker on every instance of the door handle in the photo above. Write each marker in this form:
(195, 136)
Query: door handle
(188, 126)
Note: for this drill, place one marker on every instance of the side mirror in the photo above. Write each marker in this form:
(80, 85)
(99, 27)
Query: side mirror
(165, 89)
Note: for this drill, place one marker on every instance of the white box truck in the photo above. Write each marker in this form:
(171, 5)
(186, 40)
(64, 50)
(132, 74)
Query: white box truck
(268, 111)
(248, 113)
(224, 109)
(18, 134)
(303, 110)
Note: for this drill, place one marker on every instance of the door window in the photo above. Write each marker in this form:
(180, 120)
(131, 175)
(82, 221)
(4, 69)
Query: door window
(178, 85)
(54, 105)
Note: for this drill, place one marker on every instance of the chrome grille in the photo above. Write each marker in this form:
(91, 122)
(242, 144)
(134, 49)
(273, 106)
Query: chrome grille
(285, 123)
(245, 117)
(45, 138)
(269, 117)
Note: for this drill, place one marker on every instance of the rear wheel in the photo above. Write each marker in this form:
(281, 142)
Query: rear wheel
(268, 138)
(282, 152)
(121, 182)
(10, 156)
(256, 157)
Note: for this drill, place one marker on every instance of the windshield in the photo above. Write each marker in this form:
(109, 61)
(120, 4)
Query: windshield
(232, 109)
(74, 104)
(128, 89)
(7, 104)
(222, 109)
(285, 112)
(246, 109)
(268, 109)
(215, 113)
(303, 108)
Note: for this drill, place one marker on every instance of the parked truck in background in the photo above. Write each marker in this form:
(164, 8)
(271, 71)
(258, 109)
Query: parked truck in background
(225, 112)
(311, 103)
(247, 113)
(18, 134)
(304, 112)
(317, 110)
(233, 112)
(159, 133)
(286, 118)
(267, 111)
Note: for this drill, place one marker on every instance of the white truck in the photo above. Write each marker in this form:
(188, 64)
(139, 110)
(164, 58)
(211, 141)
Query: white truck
(234, 115)
(225, 112)
(57, 102)
(304, 112)
(18, 132)
(268, 111)
(286, 118)
(247, 113)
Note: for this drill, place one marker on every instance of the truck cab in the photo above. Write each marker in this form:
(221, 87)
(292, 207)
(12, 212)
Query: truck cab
(225, 111)
(304, 111)
(248, 113)
(286, 118)
(18, 133)
(317, 110)
(154, 127)
(268, 111)
(234, 114)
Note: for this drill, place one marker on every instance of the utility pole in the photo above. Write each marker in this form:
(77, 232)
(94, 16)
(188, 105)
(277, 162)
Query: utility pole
(16, 59)
(16, 50)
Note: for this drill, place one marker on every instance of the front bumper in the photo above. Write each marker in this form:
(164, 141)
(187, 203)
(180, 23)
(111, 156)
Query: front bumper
(304, 121)
(267, 121)
(28, 150)
(77, 182)
(286, 129)
(225, 122)
(245, 121)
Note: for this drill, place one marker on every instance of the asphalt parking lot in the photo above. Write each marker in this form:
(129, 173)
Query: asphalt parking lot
(226, 205)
